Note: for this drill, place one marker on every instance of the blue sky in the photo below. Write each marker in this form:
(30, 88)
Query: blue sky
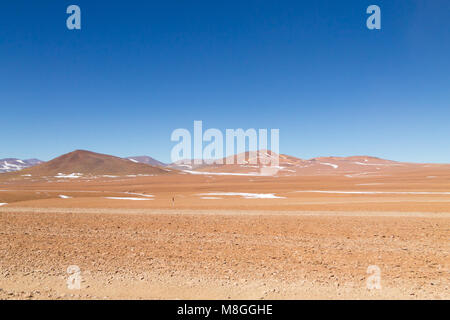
(137, 70)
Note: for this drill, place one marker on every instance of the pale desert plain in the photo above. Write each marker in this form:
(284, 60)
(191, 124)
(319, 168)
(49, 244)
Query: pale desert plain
(317, 229)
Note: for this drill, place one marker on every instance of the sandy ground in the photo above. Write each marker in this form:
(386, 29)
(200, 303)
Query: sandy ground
(222, 254)
(296, 245)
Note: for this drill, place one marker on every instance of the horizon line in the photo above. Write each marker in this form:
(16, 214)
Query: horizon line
(235, 154)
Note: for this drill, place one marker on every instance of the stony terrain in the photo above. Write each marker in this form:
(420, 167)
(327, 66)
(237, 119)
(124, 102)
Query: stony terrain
(164, 254)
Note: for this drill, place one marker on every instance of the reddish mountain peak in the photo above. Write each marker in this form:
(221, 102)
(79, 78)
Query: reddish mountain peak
(91, 163)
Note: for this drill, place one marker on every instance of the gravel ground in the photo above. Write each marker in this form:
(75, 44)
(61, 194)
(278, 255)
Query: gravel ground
(182, 254)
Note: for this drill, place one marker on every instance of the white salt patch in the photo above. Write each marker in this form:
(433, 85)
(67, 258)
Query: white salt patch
(210, 198)
(141, 194)
(64, 197)
(335, 166)
(221, 173)
(3, 204)
(126, 198)
(358, 174)
(69, 176)
(373, 192)
(108, 176)
(244, 195)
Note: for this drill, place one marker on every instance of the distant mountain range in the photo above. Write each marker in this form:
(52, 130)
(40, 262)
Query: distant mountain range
(254, 164)
(13, 164)
(82, 162)
(291, 166)
(87, 163)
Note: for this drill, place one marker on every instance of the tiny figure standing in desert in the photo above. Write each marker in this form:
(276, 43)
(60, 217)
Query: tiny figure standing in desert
(173, 201)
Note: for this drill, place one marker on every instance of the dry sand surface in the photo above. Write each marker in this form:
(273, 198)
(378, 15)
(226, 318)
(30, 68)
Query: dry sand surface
(296, 245)
(181, 255)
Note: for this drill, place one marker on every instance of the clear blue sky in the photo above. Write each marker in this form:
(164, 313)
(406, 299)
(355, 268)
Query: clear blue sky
(140, 69)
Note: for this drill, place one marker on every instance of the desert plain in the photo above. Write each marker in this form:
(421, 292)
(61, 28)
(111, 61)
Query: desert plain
(180, 235)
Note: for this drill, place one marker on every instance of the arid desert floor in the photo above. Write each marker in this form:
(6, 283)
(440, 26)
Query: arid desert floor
(218, 240)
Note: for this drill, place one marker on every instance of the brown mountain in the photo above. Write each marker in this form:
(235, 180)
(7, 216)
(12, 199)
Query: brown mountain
(291, 166)
(91, 163)
(147, 160)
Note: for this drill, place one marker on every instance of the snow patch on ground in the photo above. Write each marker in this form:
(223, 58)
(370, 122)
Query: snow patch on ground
(335, 166)
(244, 195)
(3, 204)
(11, 165)
(358, 174)
(127, 198)
(140, 194)
(210, 198)
(69, 176)
(372, 192)
(64, 197)
(221, 173)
